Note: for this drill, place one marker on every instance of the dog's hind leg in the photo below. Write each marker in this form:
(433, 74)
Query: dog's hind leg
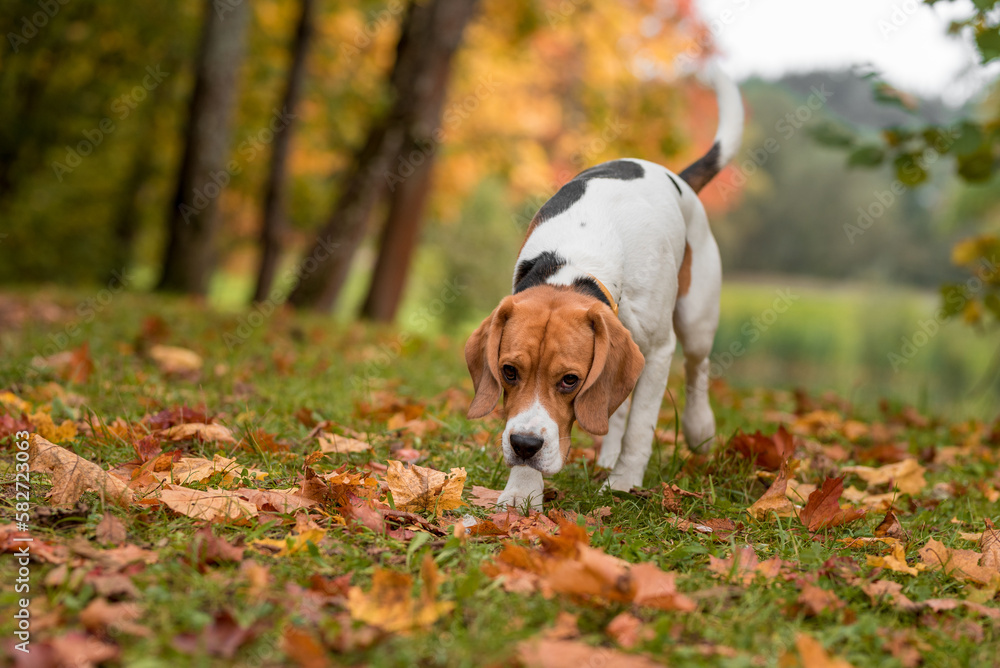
(696, 318)
(611, 444)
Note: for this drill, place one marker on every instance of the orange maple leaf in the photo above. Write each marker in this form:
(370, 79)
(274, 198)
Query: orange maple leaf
(823, 509)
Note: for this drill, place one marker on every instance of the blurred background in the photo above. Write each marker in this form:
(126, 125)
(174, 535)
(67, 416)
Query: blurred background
(382, 160)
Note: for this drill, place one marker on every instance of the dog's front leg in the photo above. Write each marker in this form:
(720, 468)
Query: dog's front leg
(637, 445)
(611, 444)
(525, 484)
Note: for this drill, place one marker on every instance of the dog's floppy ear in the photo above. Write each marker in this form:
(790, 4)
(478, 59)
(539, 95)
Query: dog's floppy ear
(616, 368)
(482, 356)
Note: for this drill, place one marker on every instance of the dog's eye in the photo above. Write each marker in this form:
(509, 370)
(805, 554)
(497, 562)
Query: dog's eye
(509, 373)
(568, 383)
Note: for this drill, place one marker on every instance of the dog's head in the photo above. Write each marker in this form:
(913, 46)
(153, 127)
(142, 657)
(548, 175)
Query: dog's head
(557, 356)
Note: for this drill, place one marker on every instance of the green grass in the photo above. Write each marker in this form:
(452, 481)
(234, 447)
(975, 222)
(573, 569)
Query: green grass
(293, 362)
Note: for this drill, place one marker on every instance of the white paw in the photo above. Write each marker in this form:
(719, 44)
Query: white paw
(524, 487)
(699, 431)
(609, 454)
(624, 480)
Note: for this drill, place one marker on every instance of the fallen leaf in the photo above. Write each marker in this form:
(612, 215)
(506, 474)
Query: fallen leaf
(543, 653)
(891, 527)
(45, 427)
(822, 509)
(222, 637)
(768, 452)
(989, 544)
(72, 475)
(880, 589)
(419, 488)
(336, 444)
(895, 561)
(80, 650)
(743, 566)
(774, 499)
(100, 616)
(814, 600)
(207, 548)
(197, 431)
(627, 630)
(963, 565)
(110, 530)
(390, 604)
(275, 500)
(565, 627)
(175, 360)
(484, 497)
(303, 648)
(212, 505)
(291, 544)
(810, 654)
(907, 476)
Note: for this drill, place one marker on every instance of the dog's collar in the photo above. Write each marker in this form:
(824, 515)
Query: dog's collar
(607, 294)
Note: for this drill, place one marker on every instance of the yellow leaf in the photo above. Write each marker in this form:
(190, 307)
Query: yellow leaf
(390, 604)
(72, 475)
(47, 429)
(774, 499)
(282, 547)
(896, 561)
(907, 475)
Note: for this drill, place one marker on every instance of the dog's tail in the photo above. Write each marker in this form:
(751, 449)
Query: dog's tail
(727, 137)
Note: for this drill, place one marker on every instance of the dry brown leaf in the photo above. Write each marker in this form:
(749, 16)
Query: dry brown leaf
(187, 470)
(962, 565)
(102, 617)
(175, 360)
(543, 653)
(627, 630)
(419, 488)
(213, 505)
(336, 444)
(197, 430)
(291, 544)
(989, 545)
(484, 497)
(774, 499)
(110, 530)
(72, 475)
(891, 527)
(822, 509)
(390, 604)
(768, 452)
(893, 590)
(743, 566)
(907, 476)
(81, 650)
(303, 648)
(815, 600)
(276, 500)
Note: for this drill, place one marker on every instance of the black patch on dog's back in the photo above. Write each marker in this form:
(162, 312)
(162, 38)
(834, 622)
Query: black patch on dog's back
(570, 194)
(537, 270)
(588, 286)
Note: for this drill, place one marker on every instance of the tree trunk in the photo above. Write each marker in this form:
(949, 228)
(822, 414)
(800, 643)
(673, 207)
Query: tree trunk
(273, 223)
(192, 220)
(431, 33)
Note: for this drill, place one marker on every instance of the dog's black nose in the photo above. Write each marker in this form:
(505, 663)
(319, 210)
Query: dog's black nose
(525, 445)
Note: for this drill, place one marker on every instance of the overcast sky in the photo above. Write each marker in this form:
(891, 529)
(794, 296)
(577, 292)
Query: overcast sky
(905, 40)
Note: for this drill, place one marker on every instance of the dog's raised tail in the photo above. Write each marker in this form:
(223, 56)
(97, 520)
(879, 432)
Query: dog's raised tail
(727, 137)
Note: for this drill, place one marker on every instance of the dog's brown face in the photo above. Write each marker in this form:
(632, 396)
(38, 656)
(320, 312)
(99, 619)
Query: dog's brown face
(558, 357)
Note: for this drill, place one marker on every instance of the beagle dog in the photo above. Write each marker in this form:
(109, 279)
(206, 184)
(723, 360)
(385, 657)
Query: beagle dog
(616, 268)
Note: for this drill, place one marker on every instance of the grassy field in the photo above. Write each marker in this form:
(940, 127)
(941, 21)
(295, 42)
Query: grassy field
(318, 592)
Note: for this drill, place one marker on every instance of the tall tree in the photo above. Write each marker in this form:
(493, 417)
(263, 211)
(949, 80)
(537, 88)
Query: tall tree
(273, 222)
(430, 35)
(192, 220)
